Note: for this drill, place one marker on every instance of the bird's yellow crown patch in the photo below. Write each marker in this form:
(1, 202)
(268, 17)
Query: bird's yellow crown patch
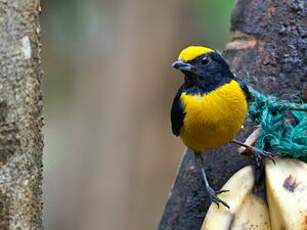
(192, 52)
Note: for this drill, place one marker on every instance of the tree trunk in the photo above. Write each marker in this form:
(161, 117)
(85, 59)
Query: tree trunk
(21, 140)
(269, 46)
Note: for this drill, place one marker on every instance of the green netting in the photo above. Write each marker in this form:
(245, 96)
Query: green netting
(280, 132)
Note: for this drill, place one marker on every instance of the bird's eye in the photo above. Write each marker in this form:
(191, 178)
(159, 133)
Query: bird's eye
(205, 60)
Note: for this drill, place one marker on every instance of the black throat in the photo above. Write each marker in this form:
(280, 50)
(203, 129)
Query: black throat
(202, 85)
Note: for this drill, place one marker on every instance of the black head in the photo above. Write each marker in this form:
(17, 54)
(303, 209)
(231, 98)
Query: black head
(206, 71)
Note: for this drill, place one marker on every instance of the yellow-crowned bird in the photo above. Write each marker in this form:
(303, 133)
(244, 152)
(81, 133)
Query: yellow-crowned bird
(210, 106)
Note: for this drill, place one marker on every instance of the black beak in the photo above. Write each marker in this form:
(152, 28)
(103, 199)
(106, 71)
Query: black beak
(183, 66)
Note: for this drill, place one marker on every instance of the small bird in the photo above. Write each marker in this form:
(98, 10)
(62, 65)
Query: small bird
(210, 107)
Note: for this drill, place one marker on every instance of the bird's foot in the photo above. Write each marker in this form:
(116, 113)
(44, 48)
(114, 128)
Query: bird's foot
(214, 198)
(212, 193)
(259, 154)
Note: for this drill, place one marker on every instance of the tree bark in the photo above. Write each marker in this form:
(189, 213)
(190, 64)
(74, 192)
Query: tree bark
(21, 121)
(269, 50)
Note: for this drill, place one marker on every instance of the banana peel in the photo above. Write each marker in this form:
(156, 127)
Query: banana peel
(247, 211)
(286, 187)
(286, 206)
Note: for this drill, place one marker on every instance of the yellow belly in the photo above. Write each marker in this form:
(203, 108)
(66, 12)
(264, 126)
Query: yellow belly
(213, 119)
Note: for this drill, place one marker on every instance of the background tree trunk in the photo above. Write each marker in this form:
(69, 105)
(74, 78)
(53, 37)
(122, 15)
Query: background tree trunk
(269, 45)
(21, 140)
(118, 95)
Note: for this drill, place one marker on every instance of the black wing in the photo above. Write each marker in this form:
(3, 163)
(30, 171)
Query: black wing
(177, 114)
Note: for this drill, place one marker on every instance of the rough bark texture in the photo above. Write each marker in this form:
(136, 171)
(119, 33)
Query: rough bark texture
(21, 140)
(270, 47)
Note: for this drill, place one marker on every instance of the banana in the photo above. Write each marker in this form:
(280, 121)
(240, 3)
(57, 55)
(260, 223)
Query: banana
(286, 187)
(247, 211)
(286, 207)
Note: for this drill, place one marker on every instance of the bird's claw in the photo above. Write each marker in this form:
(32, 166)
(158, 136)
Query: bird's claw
(258, 153)
(214, 198)
(262, 154)
(221, 191)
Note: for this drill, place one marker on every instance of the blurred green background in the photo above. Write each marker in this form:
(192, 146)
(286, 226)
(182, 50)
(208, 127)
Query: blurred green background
(110, 158)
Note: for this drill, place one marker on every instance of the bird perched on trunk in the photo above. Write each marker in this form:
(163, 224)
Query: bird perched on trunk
(210, 106)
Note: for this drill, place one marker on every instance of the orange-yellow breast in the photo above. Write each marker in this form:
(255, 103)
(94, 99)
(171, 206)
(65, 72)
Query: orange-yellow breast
(213, 119)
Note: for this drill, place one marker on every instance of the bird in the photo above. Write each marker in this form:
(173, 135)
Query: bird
(210, 106)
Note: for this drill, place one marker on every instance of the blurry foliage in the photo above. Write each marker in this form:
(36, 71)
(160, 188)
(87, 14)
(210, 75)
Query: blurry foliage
(72, 22)
(57, 26)
(215, 19)
(70, 26)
